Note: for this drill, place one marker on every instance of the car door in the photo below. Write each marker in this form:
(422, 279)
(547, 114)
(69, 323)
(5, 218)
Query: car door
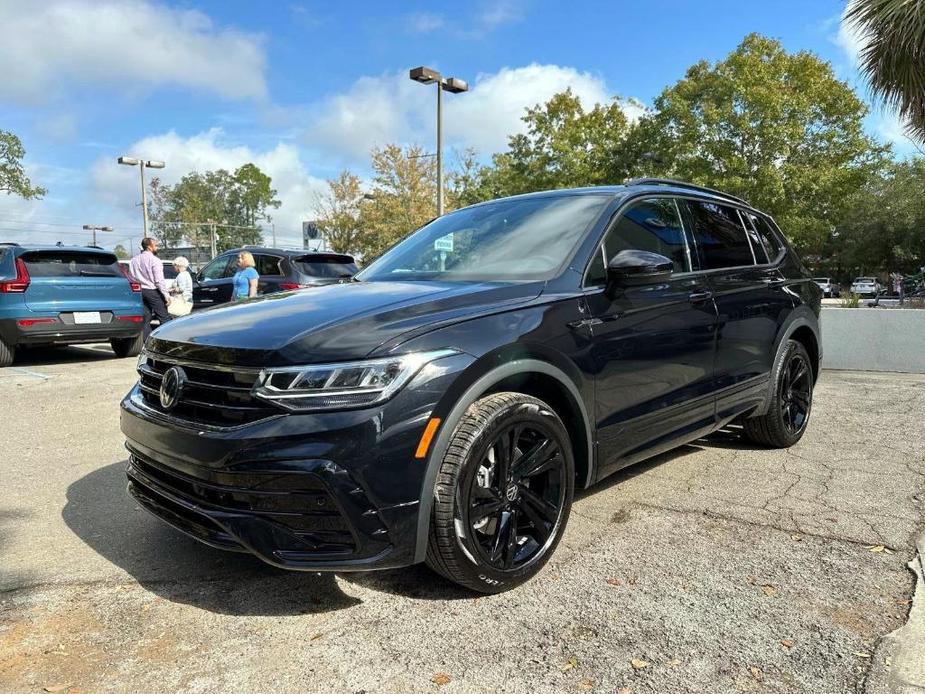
(652, 347)
(214, 282)
(750, 295)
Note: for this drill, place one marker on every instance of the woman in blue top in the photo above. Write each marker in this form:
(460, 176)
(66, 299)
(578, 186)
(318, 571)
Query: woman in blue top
(245, 279)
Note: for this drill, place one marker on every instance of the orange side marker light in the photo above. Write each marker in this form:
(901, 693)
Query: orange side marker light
(427, 437)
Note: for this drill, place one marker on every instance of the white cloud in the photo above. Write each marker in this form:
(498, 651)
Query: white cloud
(497, 13)
(850, 40)
(127, 44)
(118, 186)
(424, 22)
(391, 108)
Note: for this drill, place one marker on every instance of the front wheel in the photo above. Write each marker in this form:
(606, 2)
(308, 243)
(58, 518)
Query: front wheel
(503, 493)
(127, 346)
(791, 402)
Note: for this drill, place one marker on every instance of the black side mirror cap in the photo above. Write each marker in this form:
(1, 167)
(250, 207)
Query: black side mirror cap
(633, 268)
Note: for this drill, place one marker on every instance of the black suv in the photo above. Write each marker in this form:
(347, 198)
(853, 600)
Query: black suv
(444, 406)
(279, 270)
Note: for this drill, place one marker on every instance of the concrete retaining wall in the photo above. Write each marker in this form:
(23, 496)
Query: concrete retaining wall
(870, 339)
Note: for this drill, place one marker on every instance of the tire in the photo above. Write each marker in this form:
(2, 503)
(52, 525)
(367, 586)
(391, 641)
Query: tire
(791, 402)
(479, 498)
(7, 354)
(127, 346)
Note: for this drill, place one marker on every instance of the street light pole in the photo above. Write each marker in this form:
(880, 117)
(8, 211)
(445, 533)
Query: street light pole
(93, 228)
(141, 164)
(454, 85)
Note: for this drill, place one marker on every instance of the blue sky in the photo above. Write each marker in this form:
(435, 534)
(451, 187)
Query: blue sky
(304, 89)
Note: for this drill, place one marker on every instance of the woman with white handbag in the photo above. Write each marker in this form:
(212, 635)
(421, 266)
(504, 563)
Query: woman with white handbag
(181, 300)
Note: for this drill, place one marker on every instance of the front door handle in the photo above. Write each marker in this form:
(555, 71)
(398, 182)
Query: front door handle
(775, 282)
(698, 297)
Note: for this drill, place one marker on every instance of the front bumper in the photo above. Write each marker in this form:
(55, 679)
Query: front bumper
(328, 491)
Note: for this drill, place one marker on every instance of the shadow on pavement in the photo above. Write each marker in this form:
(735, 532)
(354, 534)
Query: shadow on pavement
(49, 356)
(177, 568)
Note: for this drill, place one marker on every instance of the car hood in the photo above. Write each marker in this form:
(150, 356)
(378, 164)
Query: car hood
(330, 323)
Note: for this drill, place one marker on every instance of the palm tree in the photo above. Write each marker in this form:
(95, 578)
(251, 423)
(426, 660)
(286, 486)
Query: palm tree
(893, 56)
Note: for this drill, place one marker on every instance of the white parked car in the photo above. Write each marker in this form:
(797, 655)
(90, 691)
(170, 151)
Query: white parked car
(866, 286)
(829, 287)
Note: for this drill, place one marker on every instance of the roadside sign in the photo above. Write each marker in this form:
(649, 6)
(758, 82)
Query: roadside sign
(444, 243)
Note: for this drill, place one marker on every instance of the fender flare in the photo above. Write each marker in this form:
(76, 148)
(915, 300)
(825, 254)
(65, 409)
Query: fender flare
(447, 429)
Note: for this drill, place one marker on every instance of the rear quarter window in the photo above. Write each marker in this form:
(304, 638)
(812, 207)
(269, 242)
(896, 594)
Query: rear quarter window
(327, 267)
(71, 264)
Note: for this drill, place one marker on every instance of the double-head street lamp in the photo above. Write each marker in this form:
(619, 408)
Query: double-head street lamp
(141, 164)
(454, 85)
(94, 229)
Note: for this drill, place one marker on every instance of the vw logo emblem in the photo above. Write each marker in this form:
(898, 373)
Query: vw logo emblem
(511, 492)
(172, 387)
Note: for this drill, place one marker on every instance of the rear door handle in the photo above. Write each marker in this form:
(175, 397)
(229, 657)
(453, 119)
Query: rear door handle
(697, 297)
(775, 282)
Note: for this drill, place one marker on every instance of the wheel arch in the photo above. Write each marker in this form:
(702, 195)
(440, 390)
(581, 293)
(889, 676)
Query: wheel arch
(530, 376)
(802, 326)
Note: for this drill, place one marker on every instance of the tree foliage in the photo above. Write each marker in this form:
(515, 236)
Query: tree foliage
(884, 228)
(775, 128)
(339, 213)
(236, 202)
(893, 55)
(563, 146)
(13, 179)
(122, 253)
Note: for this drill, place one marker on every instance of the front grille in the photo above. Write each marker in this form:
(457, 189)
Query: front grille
(306, 509)
(211, 396)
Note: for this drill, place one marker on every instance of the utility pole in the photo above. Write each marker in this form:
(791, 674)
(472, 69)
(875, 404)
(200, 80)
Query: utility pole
(213, 242)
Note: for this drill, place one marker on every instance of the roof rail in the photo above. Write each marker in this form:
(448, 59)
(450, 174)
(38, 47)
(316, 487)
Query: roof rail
(683, 184)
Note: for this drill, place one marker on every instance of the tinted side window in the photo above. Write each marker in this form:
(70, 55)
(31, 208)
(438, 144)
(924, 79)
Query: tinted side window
(267, 265)
(216, 269)
(720, 236)
(652, 225)
(767, 235)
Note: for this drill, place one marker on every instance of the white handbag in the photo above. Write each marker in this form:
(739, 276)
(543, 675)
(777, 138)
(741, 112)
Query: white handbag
(179, 306)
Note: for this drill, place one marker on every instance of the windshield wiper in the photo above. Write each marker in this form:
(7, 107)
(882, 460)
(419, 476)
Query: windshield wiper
(96, 273)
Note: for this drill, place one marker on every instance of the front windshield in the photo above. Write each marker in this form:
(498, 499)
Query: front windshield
(513, 239)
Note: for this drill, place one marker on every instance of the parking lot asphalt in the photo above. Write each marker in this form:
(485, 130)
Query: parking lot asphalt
(717, 567)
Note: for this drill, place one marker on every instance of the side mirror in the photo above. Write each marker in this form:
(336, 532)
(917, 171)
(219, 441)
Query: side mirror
(632, 268)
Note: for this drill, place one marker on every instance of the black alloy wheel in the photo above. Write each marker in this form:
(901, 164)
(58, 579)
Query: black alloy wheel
(503, 493)
(513, 502)
(791, 400)
(796, 393)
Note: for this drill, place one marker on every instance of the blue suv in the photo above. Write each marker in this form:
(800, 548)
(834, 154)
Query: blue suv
(58, 295)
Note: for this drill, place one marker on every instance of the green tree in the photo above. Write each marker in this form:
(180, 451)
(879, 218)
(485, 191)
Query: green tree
(237, 203)
(121, 252)
(884, 227)
(13, 179)
(893, 55)
(564, 146)
(403, 192)
(339, 213)
(775, 128)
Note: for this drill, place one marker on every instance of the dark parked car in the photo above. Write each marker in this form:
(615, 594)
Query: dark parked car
(279, 270)
(445, 405)
(64, 295)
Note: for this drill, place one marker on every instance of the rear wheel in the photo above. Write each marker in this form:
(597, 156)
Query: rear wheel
(791, 403)
(127, 346)
(503, 493)
(7, 353)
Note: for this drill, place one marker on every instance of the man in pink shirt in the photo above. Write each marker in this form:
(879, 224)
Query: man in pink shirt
(148, 271)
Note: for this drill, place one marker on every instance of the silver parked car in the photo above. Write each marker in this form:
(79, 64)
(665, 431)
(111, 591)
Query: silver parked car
(866, 286)
(829, 287)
